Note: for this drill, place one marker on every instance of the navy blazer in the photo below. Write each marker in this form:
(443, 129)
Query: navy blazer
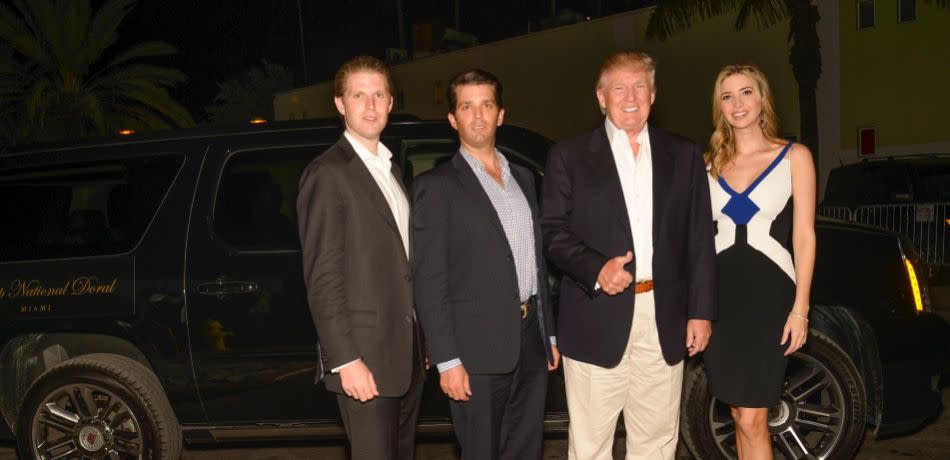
(585, 223)
(464, 278)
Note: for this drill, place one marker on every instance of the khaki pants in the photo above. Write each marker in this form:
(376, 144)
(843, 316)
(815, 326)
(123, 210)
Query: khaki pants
(643, 385)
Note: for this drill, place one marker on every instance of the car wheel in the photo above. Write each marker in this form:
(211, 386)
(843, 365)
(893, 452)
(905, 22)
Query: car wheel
(98, 406)
(822, 413)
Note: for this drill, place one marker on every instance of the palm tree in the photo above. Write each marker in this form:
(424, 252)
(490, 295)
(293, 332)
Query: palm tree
(61, 78)
(672, 16)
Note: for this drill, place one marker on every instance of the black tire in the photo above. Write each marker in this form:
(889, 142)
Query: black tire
(822, 387)
(96, 404)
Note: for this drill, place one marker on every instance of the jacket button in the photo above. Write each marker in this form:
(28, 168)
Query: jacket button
(408, 277)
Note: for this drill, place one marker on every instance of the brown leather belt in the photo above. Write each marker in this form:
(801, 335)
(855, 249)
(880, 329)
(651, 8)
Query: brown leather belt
(526, 306)
(643, 286)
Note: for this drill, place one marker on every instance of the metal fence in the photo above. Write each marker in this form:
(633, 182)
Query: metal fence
(926, 224)
(836, 212)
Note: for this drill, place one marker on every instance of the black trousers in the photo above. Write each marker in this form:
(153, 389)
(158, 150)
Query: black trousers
(504, 417)
(385, 428)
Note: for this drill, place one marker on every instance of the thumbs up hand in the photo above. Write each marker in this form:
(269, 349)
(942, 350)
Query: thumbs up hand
(613, 278)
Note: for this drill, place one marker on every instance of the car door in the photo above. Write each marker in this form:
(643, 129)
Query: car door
(251, 332)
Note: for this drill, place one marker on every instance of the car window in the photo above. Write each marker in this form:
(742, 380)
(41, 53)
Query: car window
(893, 183)
(255, 209)
(83, 209)
(933, 182)
(423, 155)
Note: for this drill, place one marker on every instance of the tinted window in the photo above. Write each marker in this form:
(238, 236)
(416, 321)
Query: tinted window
(933, 183)
(423, 155)
(256, 203)
(83, 209)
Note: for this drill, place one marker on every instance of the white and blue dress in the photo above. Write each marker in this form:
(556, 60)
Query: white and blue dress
(755, 284)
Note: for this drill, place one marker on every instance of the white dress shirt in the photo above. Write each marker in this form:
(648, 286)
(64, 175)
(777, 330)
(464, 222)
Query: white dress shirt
(380, 167)
(636, 180)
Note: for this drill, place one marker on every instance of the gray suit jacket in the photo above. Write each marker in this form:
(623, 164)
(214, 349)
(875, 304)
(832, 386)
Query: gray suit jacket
(358, 278)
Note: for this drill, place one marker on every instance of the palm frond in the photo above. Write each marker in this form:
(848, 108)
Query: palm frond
(15, 30)
(141, 50)
(37, 103)
(93, 111)
(103, 29)
(153, 75)
(765, 13)
(159, 100)
(75, 24)
(673, 16)
(125, 115)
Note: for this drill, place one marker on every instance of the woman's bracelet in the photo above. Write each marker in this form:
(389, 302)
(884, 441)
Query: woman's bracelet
(798, 315)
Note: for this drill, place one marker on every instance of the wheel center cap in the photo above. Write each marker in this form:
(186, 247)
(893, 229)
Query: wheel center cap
(779, 414)
(91, 438)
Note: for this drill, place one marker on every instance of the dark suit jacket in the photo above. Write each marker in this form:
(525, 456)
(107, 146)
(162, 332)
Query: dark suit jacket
(465, 284)
(356, 270)
(585, 223)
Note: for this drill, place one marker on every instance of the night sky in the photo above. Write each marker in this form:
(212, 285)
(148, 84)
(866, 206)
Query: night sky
(221, 39)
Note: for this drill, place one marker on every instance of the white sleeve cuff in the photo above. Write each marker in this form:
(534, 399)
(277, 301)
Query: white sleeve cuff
(336, 370)
(442, 367)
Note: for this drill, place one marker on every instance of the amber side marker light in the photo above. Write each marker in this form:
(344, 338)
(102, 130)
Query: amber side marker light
(126, 132)
(914, 287)
(258, 121)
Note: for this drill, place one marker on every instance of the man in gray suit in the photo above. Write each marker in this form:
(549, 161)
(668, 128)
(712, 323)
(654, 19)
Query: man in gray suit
(354, 231)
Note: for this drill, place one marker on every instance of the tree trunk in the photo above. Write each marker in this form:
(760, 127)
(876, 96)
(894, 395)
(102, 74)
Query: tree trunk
(805, 57)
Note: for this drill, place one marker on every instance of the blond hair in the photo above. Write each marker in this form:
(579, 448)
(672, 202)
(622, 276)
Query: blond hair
(635, 60)
(722, 143)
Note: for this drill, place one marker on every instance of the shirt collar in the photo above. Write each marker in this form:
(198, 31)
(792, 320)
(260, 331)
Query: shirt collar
(383, 153)
(477, 165)
(643, 137)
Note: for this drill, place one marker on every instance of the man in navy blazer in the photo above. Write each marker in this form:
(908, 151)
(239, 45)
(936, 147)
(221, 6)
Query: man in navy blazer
(480, 283)
(627, 218)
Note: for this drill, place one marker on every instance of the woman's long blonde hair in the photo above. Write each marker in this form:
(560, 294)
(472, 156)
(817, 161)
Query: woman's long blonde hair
(722, 143)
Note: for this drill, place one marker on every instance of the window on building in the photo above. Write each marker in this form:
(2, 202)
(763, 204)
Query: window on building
(906, 10)
(865, 14)
(81, 210)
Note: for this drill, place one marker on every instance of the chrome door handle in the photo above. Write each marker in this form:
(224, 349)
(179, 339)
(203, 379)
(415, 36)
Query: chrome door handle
(223, 288)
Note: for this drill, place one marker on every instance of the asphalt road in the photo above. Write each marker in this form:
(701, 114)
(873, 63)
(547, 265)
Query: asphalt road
(932, 442)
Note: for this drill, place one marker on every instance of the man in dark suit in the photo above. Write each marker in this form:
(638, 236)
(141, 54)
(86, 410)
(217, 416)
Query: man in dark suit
(354, 231)
(627, 218)
(480, 282)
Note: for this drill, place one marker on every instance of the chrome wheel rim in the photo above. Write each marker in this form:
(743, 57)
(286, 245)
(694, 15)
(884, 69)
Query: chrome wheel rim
(807, 423)
(86, 421)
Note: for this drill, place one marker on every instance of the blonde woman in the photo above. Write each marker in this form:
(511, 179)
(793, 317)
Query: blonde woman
(763, 202)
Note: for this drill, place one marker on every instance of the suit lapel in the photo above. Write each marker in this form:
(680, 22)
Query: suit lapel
(474, 188)
(366, 186)
(605, 168)
(662, 177)
(397, 173)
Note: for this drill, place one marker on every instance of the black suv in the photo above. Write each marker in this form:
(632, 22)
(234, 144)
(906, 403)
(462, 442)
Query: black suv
(151, 293)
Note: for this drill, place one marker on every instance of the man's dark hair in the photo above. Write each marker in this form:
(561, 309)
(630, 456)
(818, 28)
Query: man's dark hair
(473, 77)
(360, 64)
